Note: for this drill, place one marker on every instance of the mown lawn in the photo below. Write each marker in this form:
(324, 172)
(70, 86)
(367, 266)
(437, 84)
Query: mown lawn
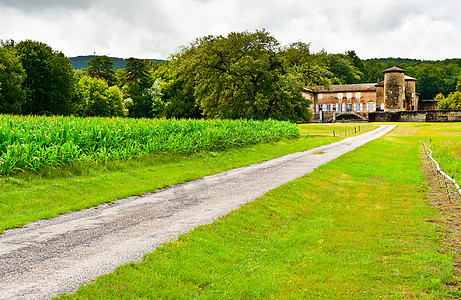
(355, 228)
(26, 197)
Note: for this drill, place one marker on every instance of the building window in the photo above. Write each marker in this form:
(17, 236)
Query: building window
(340, 95)
(328, 107)
(382, 106)
(324, 107)
(349, 95)
(320, 96)
(358, 95)
(371, 106)
(349, 107)
(358, 107)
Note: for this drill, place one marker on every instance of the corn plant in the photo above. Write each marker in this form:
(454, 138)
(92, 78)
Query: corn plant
(30, 143)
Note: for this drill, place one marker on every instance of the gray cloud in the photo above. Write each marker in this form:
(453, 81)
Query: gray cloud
(34, 5)
(424, 29)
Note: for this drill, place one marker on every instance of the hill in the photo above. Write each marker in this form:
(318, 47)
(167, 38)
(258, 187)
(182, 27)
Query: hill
(81, 62)
(395, 61)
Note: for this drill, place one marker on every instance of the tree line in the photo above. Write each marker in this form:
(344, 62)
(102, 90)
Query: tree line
(439, 80)
(244, 75)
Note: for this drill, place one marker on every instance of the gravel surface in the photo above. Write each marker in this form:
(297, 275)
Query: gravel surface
(54, 256)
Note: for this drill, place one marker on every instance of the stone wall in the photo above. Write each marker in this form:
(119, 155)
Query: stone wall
(428, 104)
(416, 116)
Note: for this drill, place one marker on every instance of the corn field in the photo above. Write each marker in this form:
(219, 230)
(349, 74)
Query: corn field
(31, 143)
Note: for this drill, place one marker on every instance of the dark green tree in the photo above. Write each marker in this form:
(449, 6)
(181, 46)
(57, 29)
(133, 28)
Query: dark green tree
(178, 91)
(373, 71)
(343, 69)
(102, 67)
(138, 72)
(12, 76)
(137, 79)
(50, 83)
(430, 79)
(458, 85)
(358, 63)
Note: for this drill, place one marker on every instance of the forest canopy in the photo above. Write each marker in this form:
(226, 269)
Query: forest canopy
(244, 75)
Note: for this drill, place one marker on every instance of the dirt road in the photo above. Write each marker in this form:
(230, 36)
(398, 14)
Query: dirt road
(54, 256)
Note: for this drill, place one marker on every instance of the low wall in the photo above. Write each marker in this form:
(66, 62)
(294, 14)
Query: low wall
(416, 116)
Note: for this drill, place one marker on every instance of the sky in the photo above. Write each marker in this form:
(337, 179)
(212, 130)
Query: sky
(420, 29)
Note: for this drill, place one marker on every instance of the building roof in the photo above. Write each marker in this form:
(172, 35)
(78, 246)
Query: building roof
(408, 78)
(360, 87)
(395, 70)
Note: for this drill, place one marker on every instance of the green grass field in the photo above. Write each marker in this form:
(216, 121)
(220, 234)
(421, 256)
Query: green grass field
(444, 140)
(30, 197)
(356, 228)
(448, 154)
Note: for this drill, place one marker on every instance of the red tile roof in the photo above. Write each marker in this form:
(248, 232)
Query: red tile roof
(360, 87)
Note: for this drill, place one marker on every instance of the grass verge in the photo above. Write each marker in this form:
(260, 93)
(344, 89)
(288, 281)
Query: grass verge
(26, 198)
(445, 142)
(356, 228)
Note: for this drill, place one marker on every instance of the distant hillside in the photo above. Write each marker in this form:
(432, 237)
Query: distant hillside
(81, 62)
(395, 61)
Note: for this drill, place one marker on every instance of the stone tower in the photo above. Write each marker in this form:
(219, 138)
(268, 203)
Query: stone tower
(411, 102)
(394, 89)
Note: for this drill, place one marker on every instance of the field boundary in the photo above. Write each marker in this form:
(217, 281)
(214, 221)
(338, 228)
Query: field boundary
(439, 170)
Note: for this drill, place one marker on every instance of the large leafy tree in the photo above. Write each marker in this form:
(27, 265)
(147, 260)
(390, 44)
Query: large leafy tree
(243, 76)
(177, 88)
(50, 83)
(98, 99)
(343, 69)
(453, 101)
(358, 63)
(12, 75)
(138, 72)
(102, 67)
(310, 67)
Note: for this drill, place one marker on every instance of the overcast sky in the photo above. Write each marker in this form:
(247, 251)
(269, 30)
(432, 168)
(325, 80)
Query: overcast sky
(422, 29)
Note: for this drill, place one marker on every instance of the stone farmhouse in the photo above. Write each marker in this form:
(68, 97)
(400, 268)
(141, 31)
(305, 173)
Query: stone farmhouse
(395, 94)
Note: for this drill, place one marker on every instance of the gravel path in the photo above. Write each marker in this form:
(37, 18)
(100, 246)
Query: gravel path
(50, 257)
